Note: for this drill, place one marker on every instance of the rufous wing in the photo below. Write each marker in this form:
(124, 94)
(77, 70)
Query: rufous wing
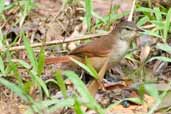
(98, 48)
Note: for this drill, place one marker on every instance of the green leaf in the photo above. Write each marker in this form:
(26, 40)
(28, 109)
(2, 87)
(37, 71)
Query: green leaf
(89, 10)
(13, 87)
(167, 24)
(50, 105)
(161, 58)
(55, 104)
(141, 91)
(151, 33)
(51, 80)
(142, 21)
(29, 51)
(61, 83)
(152, 90)
(2, 67)
(26, 6)
(158, 14)
(130, 57)
(77, 107)
(1, 39)
(92, 69)
(98, 17)
(144, 9)
(40, 82)
(12, 67)
(86, 68)
(135, 100)
(27, 85)
(81, 88)
(22, 63)
(164, 47)
(113, 18)
(41, 61)
(2, 8)
(158, 24)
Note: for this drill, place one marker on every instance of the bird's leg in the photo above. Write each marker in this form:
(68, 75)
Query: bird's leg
(95, 84)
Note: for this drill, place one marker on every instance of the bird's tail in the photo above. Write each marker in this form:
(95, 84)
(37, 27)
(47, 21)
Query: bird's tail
(56, 60)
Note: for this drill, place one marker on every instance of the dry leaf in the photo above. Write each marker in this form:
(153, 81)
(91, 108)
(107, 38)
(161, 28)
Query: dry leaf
(54, 32)
(102, 7)
(144, 53)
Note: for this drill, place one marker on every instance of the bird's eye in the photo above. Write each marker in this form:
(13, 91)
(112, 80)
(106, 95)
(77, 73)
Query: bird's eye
(127, 28)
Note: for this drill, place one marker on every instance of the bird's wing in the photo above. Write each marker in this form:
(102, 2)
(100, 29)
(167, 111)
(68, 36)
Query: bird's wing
(97, 48)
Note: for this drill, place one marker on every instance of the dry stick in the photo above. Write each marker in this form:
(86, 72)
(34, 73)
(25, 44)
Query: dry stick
(148, 26)
(132, 11)
(16, 48)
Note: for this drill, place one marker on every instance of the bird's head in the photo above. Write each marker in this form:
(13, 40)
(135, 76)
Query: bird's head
(128, 31)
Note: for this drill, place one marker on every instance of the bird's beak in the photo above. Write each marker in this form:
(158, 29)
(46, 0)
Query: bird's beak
(138, 32)
(139, 29)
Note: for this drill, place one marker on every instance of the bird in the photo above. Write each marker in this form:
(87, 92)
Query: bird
(111, 48)
(114, 45)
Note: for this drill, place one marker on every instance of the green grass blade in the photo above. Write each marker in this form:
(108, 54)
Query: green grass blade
(135, 100)
(158, 24)
(77, 107)
(50, 105)
(152, 90)
(13, 87)
(55, 104)
(40, 82)
(61, 83)
(41, 62)
(2, 6)
(164, 47)
(88, 15)
(167, 24)
(92, 69)
(2, 67)
(161, 58)
(52, 81)
(29, 51)
(142, 21)
(86, 68)
(22, 63)
(98, 17)
(151, 33)
(144, 9)
(158, 14)
(81, 88)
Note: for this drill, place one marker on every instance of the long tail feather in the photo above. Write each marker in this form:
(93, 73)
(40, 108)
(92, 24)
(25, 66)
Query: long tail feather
(56, 60)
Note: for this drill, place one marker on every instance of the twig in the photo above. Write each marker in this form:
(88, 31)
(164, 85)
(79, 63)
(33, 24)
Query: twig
(16, 48)
(132, 11)
(148, 26)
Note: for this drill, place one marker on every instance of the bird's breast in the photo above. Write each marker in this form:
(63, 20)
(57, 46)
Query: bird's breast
(118, 51)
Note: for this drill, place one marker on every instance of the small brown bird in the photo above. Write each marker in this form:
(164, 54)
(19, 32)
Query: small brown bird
(110, 48)
(113, 45)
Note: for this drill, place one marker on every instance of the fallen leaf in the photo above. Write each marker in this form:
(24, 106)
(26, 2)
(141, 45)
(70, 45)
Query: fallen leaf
(144, 53)
(54, 32)
(102, 7)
